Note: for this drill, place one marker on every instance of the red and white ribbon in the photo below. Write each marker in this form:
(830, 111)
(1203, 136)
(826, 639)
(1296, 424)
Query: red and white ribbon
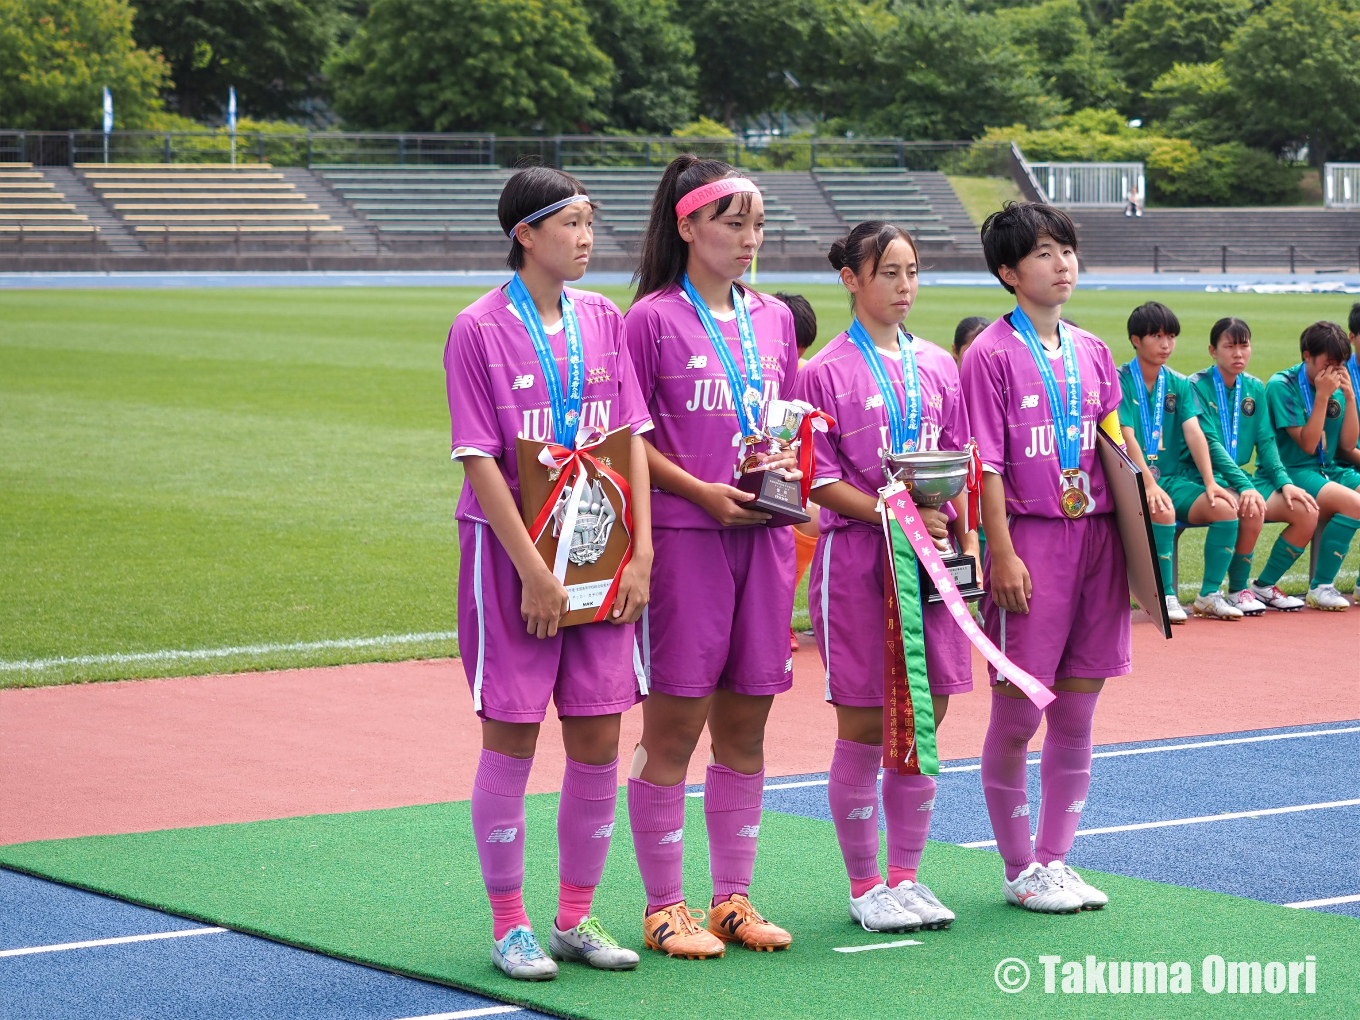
(818, 421)
(973, 518)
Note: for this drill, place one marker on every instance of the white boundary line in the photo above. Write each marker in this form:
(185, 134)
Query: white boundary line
(463, 1013)
(1330, 901)
(29, 951)
(876, 945)
(1226, 817)
(195, 654)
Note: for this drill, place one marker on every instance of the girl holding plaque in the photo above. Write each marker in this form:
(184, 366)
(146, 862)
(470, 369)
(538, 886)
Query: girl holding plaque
(886, 390)
(708, 353)
(1058, 595)
(536, 360)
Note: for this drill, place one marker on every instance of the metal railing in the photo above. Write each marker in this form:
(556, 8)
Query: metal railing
(1312, 259)
(1090, 185)
(1341, 185)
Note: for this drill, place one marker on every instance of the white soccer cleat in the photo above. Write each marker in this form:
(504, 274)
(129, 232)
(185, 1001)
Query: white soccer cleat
(1215, 607)
(1247, 602)
(519, 956)
(879, 910)
(1174, 610)
(1036, 889)
(1091, 897)
(1326, 597)
(1274, 598)
(589, 943)
(919, 900)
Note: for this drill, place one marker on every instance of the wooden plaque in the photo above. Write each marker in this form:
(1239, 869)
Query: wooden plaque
(588, 584)
(1135, 529)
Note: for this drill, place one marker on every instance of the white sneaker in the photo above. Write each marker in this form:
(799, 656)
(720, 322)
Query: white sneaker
(519, 956)
(1325, 596)
(879, 910)
(1036, 889)
(1246, 602)
(1174, 610)
(589, 943)
(1215, 607)
(919, 900)
(1274, 598)
(1091, 897)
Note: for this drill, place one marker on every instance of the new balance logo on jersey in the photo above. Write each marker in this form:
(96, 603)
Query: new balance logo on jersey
(603, 832)
(1029, 401)
(1075, 808)
(1021, 811)
(522, 382)
(749, 831)
(698, 361)
(860, 814)
(928, 805)
(788, 666)
(674, 836)
(502, 835)
(874, 401)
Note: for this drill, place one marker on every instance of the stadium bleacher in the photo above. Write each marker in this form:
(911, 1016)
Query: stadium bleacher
(35, 217)
(868, 194)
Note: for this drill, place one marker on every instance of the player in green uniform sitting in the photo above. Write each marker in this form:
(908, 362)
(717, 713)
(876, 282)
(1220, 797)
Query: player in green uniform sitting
(1312, 406)
(1159, 418)
(1234, 403)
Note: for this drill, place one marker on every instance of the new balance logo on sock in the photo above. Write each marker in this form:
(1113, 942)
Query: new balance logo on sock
(1029, 401)
(1021, 811)
(698, 361)
(860, 814)
(1075, 807)
(875, 401)
(674, 836)
(603, 832)
(928, 805)
(522, 382)
(502, 835)
(750, 831)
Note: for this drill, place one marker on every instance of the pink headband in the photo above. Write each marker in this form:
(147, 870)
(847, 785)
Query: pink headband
(700, 197)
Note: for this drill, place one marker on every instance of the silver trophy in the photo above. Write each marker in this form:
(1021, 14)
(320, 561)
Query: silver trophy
(933, 478)
(595, 518)
(779, 424)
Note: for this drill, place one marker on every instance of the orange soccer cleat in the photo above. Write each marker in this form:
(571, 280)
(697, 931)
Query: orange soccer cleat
(675, 931)
(735, 920)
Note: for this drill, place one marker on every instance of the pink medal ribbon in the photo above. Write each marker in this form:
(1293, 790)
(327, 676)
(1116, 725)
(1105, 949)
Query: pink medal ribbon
(903, 509)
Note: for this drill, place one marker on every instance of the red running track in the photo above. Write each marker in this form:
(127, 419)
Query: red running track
(151, 754)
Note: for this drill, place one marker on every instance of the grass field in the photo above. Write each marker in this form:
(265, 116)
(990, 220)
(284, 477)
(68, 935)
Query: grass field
(214, 469)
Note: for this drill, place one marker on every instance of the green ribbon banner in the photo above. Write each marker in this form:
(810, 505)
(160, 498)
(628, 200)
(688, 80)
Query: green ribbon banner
(908, 713)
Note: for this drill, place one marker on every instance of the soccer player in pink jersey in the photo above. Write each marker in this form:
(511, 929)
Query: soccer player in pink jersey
(538, 360)
(1058, 596)
(715, 638)
(878, 266)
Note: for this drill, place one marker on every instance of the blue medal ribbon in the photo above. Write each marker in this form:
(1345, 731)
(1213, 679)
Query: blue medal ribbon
(1354, 369)
(1066, 414)
(1152, 422)
(1229, 425)
(904, 422)
(566, 409)
(1306, 391)
(747, 391)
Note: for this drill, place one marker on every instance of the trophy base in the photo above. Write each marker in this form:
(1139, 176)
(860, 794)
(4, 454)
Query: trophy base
(964, 571)
(776, 496)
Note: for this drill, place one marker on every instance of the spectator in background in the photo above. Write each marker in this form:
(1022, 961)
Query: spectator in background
(965, 333)
(804, 535)
(1133, 204)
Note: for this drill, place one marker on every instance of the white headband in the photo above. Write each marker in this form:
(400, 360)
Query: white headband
(547, 210)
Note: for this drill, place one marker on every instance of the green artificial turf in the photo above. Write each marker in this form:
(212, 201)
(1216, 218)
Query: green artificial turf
(400, 890)
(199, 469)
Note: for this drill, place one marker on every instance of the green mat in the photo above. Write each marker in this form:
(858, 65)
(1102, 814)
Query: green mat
(400, 890)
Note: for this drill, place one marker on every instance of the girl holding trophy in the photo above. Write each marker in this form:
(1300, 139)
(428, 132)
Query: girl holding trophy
(531, 362)
(709, 354)
(889, 393)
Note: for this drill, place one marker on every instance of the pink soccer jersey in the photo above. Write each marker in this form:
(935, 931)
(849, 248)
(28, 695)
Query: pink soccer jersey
(1008, 410)
(839, 382)
(496, 393)
(687, 393)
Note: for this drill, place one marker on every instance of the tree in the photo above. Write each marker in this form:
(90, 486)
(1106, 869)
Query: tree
(652, 89)
(56, 56)
(1195, 101)
(1155, 34)
(1294, 69)
(270, 50)
(472, 65)
(1064, 56)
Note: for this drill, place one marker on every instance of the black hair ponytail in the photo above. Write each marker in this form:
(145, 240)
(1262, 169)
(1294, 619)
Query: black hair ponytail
(1234, 329)
(867, 243)
(528, 191)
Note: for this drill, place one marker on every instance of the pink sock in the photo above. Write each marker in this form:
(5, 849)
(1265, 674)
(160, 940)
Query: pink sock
(1013, 722)
(1064, 773)
(585, 822)
(656, 815)
(732, 810)
(908, 803)
(896, 876)
(498, 826)
(853, 794)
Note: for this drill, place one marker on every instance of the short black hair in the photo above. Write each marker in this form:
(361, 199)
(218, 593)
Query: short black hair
(967, 329)
(1354, 322)
(528, 191)
(1011, 233)
(1153, 317)
(1234, 329)
(804, 319)
(1326, 338)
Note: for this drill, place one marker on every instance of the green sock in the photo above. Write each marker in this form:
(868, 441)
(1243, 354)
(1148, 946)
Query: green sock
(1282, 557)
(1336, 539)
(1239, 571)
(1165, 537)
(1218, 553)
